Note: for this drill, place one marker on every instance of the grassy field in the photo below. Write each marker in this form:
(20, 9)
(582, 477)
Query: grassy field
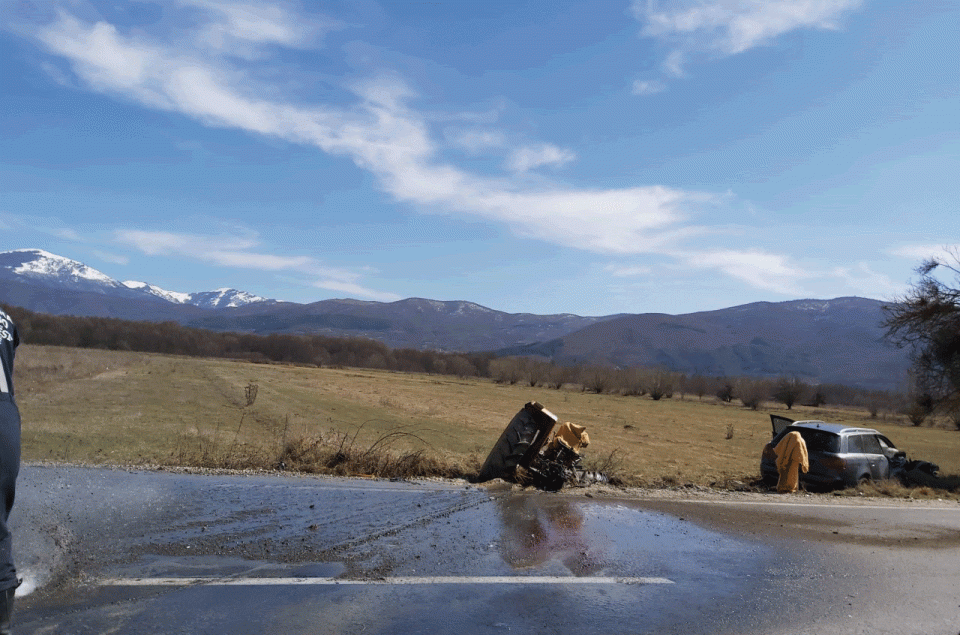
(128, 408)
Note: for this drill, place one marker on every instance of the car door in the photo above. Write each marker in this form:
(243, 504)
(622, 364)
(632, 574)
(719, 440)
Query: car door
(879, 467)
(779, 423)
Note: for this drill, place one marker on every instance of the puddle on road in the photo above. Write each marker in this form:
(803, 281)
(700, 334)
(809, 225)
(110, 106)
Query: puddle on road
(589, 537)
(280, 527)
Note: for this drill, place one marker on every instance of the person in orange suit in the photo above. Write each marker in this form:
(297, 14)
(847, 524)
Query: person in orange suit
(791, 459)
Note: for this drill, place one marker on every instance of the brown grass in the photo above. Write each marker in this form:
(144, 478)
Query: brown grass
(947, 488)
(113, 407)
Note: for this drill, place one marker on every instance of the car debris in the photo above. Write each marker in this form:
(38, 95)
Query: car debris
(534, 450)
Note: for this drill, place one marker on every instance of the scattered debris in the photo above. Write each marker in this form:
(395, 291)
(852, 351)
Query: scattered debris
(923, 473)
(530, 452)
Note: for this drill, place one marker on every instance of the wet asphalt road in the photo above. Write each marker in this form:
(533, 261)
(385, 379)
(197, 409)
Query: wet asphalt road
(113, 551)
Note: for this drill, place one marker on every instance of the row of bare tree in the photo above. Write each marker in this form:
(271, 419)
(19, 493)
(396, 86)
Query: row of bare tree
(173, 338)
(659, 383)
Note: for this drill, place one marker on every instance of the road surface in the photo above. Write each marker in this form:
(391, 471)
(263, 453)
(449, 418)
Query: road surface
(137, 552)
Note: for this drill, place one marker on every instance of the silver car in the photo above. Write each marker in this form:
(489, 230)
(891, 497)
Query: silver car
(840, 456)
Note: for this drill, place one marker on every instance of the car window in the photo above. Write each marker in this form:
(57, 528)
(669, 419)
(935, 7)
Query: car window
(885, 443)
(871, 444)
(819, 441)
(855, 444)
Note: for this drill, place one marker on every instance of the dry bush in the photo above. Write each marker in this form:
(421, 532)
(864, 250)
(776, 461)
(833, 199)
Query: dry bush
(947, 487)
(341, 457)
(611, 465)
(334, 452)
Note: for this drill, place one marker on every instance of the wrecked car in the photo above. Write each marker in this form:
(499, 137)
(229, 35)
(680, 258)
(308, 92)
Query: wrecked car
(842, 456)
(534, 450)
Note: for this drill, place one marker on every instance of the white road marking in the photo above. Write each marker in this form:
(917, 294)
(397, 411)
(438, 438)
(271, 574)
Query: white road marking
(840, 506)
(211, 581)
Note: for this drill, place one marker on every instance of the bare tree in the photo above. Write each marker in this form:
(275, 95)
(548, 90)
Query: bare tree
(505, 370)
(559, 375)
(631, 382)
(788, 390)
(461, 367)
(725, 391)
(818, 396)
(535, 372)
(698, 386)
(596, 378)
(661, 385)
(927, 319)
(752, 392)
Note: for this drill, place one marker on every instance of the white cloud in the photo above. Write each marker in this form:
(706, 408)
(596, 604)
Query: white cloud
(475, 141)
(116, 259)
(862, 280)
(920, 253)
(51, 226)
(729, 27)
(243, 28)
(380, 133)
(238, 252)
(532, 157)
(780, 274)
(641, 87)
(67, 234)
(620, 271)
(762, 270)
(674, 63)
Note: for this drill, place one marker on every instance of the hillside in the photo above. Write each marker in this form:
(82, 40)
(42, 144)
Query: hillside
(832, 341)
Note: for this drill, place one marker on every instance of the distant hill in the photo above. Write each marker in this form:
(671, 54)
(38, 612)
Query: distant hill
(833, 341)
(410, 323)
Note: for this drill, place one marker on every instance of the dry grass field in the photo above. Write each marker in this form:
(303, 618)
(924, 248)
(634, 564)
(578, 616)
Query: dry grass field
(111, 407)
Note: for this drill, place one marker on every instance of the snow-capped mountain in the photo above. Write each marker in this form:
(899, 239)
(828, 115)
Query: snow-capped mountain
(224, 298)
(170, 296)
(218, 299)
(53, 270)
(50, 270)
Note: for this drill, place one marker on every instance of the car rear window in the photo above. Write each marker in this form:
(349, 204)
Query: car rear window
(819, 441)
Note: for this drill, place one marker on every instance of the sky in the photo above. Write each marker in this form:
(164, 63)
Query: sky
(579, 157)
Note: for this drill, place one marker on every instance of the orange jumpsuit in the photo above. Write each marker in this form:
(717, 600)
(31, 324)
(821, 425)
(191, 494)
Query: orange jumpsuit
(791, 458)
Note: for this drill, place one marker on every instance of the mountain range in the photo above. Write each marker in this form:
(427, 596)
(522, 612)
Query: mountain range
(833, 341)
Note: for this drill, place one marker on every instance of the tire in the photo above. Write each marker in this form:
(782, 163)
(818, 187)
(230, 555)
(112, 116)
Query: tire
(510, 449)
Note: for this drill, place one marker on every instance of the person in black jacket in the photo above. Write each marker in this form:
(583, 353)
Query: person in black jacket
(9, 467)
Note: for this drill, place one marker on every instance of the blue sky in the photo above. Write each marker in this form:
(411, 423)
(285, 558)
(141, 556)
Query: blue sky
(543, 157)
